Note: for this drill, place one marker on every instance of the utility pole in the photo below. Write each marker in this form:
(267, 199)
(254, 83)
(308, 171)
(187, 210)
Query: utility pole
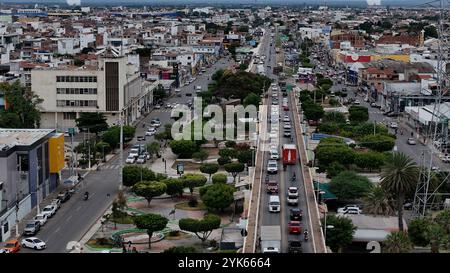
(89, 150)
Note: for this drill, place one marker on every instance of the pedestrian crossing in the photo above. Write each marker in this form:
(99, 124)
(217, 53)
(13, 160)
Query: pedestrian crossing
(162, 110)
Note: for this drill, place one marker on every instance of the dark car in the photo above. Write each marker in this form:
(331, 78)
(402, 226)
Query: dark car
(296, 214)
(64, 196)
(295, 246)
(140, 138)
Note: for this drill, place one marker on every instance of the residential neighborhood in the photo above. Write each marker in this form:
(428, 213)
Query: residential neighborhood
(224, 128)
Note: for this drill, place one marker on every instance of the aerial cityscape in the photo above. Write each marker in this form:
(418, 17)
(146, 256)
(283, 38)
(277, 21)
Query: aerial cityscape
(233, 127)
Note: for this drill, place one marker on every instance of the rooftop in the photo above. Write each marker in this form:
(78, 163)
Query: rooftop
(21, 137)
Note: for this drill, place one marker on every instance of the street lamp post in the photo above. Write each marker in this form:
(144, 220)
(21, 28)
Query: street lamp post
(121, 151)
(165, 165)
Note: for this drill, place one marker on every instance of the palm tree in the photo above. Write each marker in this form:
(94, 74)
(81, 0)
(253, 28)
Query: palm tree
(378, 202)
(399, 177)
(397, 242)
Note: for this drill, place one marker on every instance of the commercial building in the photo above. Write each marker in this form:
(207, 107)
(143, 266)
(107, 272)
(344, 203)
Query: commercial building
(30, 164)
(111, 87)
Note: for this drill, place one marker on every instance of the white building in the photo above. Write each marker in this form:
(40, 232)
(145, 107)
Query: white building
(111, 87)
(69, 46)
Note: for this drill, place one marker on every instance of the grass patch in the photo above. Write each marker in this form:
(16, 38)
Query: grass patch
(123, 220)
(185, 206)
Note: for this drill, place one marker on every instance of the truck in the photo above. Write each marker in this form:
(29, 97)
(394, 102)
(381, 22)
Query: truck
(289, 154)
(270, 239)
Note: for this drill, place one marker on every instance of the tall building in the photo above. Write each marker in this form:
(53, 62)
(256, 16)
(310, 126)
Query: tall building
(112, 86)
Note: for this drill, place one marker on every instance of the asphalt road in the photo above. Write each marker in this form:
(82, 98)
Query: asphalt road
(284, 178)
(76, 216)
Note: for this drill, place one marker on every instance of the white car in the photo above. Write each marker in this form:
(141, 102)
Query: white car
(56, 203)
(411, 141)
(446, 159)
(49, 210)
(157, 122)
(287, 126)
(350, 209)
(272, 166)
(357, 102)
(293, 191)
(158, 106)
(292, 200)
(130, 159)
(141, 159)
(151, 131)
(134, 152)
(274, 154)
(393, 125)
(286, 119)
(42, 218)
(33, 242)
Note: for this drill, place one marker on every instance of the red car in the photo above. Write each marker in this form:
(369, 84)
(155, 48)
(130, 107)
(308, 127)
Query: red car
(295, 227)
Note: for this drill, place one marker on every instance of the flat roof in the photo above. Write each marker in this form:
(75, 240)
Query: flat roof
(372, 222)
(21, 137)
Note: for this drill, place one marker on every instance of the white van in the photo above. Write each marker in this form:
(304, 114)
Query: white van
(274, 203)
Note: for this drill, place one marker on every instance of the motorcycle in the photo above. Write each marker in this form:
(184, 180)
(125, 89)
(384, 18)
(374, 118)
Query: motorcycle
(86, 196)
(306, 236)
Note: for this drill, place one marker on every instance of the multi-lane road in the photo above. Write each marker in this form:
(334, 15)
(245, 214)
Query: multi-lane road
(76, 216)
(284, 178)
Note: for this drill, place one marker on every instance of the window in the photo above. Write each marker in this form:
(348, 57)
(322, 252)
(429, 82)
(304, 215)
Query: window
(69, 115)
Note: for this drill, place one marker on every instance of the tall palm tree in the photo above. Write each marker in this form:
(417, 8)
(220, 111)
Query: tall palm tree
(379, 202)
(398, 177)
(397, 242)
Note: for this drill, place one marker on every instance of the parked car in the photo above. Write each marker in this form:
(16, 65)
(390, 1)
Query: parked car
(349, 209)
(393, 125)
(11, 246)
(130, 159)
(272, 166)
(140, 138)
(64, 196)
(134, 152)
(56, 203)
(286, 119)
(296, 214)
(49, 210)
(157, 106)
(295, 227)
(357, 102)
(34, 243)
(411, 141)
(168, 106)
(141, 159)
(32, 227)
(42, 218)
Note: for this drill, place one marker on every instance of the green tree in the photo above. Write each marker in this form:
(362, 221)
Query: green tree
(201, 155)
(201, 228)
(369, 160)
(431, 31)
(313, 111)
(379, 143)
(399, 177)
(219, 178)
(334, 169)
(350, 186)
(443, 219)
(94, 122)
(435, 234)
(217, 196)
(246, 157)
(209, 168)
(332, 150)
(174, 186)
(151, 223)
(193, 180)
(21, 110)
(104, 148)
(112, 135)
(234, 168)
(378, 202)
(159, 93)
(223, 160)
(132, 175)
(252, 99)
(228, 152)
(341, 234)
(149, 189)
(183, 148)
(417, 231)
(358, 114)
(336, 117)
(153, 148)
(397, 242)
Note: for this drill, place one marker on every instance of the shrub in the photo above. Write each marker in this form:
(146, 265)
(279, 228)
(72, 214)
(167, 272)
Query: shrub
(192, 202)
(223, 160)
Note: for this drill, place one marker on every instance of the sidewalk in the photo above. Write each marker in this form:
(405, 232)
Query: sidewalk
(158, 166)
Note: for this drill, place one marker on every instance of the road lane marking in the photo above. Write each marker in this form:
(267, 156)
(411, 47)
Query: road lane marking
(68, 218)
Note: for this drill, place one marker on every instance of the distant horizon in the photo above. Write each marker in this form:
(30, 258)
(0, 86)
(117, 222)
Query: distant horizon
(331, 3)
